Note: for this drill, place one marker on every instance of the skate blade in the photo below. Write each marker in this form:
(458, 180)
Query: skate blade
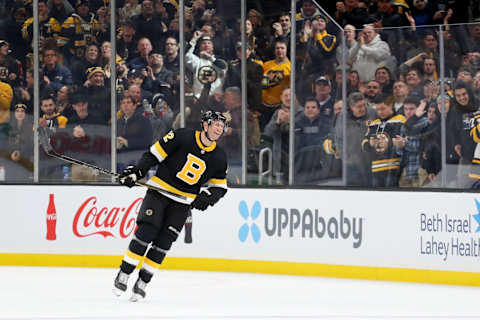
(136, 297)
(117, 292)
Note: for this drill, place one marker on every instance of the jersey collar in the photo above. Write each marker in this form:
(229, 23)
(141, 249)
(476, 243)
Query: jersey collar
(200, 144)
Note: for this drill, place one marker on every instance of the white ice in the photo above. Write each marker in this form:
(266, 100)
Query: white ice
(85, 293)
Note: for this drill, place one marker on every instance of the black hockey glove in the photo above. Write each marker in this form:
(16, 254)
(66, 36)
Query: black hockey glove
(202, 201)
(130, 175)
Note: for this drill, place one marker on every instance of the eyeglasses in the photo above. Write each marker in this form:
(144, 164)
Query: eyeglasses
(170, 44)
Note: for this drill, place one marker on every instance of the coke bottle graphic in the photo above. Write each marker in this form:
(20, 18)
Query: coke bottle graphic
(51, 219)
(188, 228)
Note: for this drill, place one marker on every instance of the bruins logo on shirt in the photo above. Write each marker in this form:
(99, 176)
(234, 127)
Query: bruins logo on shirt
(207, 74)
(274, 77)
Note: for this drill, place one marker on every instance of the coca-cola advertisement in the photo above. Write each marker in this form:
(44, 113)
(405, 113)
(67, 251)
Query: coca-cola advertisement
(93, 218)
(51, 219)
(79, 220)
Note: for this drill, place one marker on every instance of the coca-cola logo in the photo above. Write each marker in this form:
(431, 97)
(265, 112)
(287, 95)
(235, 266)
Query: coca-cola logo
(91, 219)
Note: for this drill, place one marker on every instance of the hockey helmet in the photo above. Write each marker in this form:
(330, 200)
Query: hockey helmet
(210, 116)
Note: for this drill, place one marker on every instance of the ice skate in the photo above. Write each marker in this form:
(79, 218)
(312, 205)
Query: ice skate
(120, 284)
(138, 290)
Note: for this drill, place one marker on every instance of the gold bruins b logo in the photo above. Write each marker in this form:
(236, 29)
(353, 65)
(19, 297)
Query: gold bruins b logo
(207, 74)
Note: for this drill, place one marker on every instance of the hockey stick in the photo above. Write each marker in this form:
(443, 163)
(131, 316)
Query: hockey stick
(44, 141)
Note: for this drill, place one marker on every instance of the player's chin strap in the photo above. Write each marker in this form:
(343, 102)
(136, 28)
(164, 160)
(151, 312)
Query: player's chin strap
(206, 135)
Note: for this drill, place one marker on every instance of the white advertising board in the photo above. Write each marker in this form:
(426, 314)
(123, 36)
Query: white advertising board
(417, 230)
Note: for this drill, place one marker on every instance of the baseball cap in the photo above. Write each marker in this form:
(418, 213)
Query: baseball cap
(3, 43)
(323, 79)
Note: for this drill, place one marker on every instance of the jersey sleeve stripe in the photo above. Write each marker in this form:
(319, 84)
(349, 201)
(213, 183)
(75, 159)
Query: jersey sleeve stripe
(221, 183)
(158, 151)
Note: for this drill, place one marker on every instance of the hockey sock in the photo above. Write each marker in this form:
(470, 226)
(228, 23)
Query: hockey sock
(154, 258)
(134, 255)
(145, 275)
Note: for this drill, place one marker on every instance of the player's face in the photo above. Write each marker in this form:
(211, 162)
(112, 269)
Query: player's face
(215, 130)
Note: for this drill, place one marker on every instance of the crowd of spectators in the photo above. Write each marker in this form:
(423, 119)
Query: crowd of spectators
(391, 56)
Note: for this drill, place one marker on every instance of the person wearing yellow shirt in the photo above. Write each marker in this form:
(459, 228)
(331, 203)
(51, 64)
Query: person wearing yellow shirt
(276, 76)
(6, 94)
(51, 118)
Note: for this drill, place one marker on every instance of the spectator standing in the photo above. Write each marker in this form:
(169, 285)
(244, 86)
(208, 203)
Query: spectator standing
(48, 26)
(357, 162)
(380, 140)
(150, 25)
(126, 41)
(77, 31)
(254, 76)
(205, 67)
(276, 76)
(369, 52)
(408, 142)
(60, 10)
(10, 68)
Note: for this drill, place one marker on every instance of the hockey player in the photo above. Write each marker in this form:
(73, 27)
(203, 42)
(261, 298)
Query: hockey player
(186, 160)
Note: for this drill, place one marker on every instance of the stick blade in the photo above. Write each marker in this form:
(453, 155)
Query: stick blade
(44, 140)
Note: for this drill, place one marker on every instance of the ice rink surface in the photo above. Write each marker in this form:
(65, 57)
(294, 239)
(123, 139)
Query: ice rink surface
(85, 293)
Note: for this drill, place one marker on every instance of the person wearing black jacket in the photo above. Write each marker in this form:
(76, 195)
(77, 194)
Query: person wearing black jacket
(464, 106)
(254, 76)
(134, 131)
(88, 138)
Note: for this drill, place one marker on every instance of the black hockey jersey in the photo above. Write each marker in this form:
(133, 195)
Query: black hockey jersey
(384, 155)
(185, 165)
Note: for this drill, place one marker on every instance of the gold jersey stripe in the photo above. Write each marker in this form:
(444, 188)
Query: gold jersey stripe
(169, 188)
(385, 168)
(385, 161)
